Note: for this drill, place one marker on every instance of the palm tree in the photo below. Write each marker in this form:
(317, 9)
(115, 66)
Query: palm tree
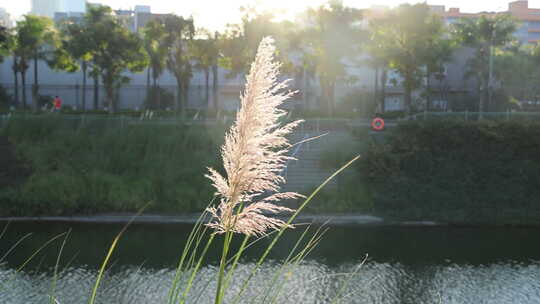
(206, 53)
(439, 51)
(179, 33)
(116, 51)
(325, 50)
(483, 34)
(404, 36)
(77, 42)
(37, 41)
(378, 60)
(153, 37)
(4, 42)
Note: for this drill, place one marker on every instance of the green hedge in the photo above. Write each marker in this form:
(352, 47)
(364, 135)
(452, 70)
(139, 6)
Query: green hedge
(453, 171)
(81, 169)
(456, 171)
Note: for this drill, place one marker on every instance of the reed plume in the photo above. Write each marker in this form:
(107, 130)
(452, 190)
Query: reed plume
(255, 153)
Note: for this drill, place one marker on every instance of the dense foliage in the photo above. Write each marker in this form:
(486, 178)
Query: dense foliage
(409, 41)
(455, 171)
(76, 168)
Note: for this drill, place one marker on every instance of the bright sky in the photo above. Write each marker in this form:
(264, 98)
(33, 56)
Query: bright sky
(215, 14)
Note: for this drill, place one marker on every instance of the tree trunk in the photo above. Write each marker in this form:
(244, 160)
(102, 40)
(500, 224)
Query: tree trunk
(324, 96)
(408, 92)
(428, 91)
(155, 93)
(408, 99)
(332, 97)
(490, 101)
(178, 104)
(84, 67)
(16, 93)
(35, 87)
(305, 88)
(442, 96)
(326, 87)
(185, 95)
(384, 75)
(207, 87)
(148, 90)
(108, 82)
(23, 80)
(96, 91)
(109, 91)
(482, 97)
(484, 82)
(215, 81)
(376, 90)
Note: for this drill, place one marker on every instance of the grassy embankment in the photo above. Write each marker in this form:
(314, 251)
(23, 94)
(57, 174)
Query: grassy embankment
(452, 171)
(99, 166)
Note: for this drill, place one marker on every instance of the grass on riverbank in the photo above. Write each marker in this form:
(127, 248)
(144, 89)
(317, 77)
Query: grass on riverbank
(455, 171)
(450, 171)
(95, 168)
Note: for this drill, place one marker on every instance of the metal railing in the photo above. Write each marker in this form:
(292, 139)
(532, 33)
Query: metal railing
(508, 115)
(296, 151)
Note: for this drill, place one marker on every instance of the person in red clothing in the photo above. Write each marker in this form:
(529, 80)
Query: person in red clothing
(57, 104)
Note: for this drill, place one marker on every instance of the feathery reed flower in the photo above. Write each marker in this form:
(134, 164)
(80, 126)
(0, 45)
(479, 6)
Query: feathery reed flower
(255, 153)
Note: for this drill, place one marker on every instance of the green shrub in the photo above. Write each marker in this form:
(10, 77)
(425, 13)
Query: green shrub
(457, 171)
(351, 192)
(5, 99)
(159, 99)
(90, 168)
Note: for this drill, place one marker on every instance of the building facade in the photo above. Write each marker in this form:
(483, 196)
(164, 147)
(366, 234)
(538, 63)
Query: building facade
(5, 18)
(528, 19)
(452, 85)
(135, 19)
(447, 89)
(49, 8)
(46, 8)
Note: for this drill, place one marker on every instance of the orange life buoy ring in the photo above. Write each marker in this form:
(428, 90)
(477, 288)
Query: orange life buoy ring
(377, 124)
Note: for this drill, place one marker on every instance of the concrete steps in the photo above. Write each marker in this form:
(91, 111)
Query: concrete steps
(306, 172)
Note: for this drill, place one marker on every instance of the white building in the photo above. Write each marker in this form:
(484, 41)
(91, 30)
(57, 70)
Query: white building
(74, 6)
(142, 9)
(5, 19)
(48, 8)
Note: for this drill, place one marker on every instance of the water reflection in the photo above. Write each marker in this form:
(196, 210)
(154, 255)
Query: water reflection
(310, 282)
(413, 265)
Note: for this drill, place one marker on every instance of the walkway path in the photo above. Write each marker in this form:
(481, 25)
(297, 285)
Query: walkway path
(329, 219)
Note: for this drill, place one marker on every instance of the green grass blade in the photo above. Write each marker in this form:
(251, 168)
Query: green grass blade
(55, 275)
(173, 292)
(196, 269)
(277, 274)
(345, 284)
(14, 246)
(231, 270)
(295, 261)
(291, 219)
(29, 259)
(109, 254)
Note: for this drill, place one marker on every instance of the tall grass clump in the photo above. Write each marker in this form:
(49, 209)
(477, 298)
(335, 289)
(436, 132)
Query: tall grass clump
(87, 168)
(254, 155)
(247, 197)
(463, 172)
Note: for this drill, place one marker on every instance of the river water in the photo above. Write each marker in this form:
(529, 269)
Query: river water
(422, 264)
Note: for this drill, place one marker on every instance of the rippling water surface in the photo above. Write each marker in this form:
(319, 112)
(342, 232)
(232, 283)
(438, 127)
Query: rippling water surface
(405, 265)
